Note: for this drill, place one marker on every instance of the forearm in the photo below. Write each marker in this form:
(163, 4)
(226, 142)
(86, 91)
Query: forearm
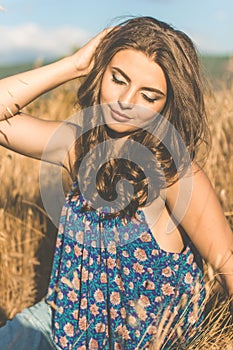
(19, 90)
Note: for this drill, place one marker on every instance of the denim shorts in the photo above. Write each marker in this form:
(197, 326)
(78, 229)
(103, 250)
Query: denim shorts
(29, 330)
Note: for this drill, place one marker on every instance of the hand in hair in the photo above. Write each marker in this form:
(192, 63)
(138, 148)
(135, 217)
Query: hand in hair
(83, 58)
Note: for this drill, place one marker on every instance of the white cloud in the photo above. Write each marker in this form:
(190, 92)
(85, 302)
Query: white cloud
(30, 41)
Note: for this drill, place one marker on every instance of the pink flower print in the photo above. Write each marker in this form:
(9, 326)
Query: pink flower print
(126, 236)
(131, 285)
(194, 266)
(91, 261)
(145, 237)
(167, 272)
(98, 295)
(125, 254)
(103, 277)
(83, 303)
(118, 263)
(132, 321)
(83, 347)
(190, 259)
(175, 256)
(123, 312)
(158, 299)
(66, 281)
(117, 279)
(176, 267)
(150, 270)
(154, 252)
(72, 296)
(77, 251)
(83, 323)
(137, 333)
(69, 329)
(111, 263)
(119, 329)
(100, 327)
(60, 310)
(75, 314)
(67, 249)
(94, 309)
(126, 271)
(68, 263)
(144, 300)
(119, 282)
(167, 289)
(93, 344)
(104, 312)
(90, 276)
(140, 254)
(115, 298)
(117, 346)
(84, 275)
(85, 253)
(60, 295)
(76, 281)
(63, 342)
(79, 237)
(71, 233)
(188, 278)
(58, 243)
(123, 331)
(113, 313)
(112, 248)
(138, 268)
(150, 285)
(61, 228)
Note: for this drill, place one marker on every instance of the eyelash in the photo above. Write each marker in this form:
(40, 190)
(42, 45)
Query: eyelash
(116, 81)
(119, 82)
(148, 99)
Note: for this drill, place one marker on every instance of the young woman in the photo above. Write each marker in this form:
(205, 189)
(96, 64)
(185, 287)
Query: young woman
(127, 265)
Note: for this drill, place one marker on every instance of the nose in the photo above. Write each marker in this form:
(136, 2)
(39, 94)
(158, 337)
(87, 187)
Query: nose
(127, 99)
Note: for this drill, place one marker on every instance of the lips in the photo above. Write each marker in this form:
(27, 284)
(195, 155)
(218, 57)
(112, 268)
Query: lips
(120, 117)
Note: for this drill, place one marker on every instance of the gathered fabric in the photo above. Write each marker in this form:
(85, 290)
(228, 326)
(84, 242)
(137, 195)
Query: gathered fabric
(113, 287)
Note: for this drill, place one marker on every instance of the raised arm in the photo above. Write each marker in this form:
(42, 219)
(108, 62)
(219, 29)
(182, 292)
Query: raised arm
(26, 134)
(19, 90)
(206, 225)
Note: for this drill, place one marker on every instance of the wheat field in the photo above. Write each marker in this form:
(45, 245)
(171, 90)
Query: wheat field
(27, 236)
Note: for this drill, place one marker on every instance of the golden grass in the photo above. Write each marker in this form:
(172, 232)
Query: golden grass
(27, 236)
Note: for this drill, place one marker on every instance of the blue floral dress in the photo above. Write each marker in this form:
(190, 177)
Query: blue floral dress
(112, 287)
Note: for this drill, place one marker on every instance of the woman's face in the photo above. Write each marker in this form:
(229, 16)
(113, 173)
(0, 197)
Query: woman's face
(133, 90)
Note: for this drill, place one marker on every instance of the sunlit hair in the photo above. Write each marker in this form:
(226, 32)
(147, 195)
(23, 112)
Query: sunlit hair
(184, 109)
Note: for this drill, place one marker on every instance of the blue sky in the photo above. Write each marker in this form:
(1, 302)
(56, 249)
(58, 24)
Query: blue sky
(50, 28)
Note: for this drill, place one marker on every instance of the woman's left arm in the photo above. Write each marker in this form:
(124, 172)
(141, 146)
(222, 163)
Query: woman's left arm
(204, 222)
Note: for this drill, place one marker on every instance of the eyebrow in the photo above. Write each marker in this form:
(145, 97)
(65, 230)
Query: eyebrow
(158, 91)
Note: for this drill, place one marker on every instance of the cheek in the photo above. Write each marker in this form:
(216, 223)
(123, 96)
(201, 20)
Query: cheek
(147, 113)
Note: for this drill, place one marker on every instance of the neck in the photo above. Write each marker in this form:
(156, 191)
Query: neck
(115, 135)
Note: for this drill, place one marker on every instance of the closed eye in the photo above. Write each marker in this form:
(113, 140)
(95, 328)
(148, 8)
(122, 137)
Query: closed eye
(149, 99)
(117, 80)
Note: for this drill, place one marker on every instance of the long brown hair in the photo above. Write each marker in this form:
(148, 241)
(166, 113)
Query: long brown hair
(184, 110)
